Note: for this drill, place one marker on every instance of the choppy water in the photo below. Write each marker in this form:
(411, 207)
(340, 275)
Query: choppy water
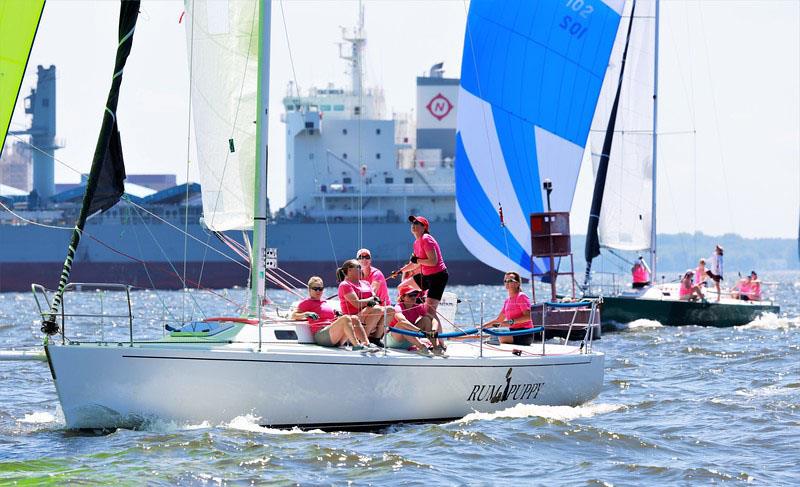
(683, 405)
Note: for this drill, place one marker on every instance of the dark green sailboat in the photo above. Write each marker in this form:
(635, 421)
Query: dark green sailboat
(623, 216)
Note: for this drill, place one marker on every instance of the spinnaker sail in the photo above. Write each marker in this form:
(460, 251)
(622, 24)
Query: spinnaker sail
(19, 20)
(530, 78)
(222, 38)
(106, 184)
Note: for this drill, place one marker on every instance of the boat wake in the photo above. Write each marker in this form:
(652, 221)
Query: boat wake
(250, 422)
(771, 321)
(641, 324)
(562, 413)
(39, 417)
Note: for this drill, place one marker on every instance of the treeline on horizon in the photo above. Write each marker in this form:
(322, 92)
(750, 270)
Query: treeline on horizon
(678, 252)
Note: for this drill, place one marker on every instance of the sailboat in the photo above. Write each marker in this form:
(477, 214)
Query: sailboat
(623, 212)
(264, 365)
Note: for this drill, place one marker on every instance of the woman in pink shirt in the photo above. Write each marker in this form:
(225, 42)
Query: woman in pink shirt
(516, 312)
(357, 299)
(328, 329)
(374, 276)
(431, 275)
(407, 313)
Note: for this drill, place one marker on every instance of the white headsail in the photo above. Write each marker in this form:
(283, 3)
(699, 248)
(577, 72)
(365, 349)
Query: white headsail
(222, 38)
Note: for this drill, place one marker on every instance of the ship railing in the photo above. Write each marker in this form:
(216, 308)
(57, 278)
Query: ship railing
(349, 190)
(575, 306)
(41, 295)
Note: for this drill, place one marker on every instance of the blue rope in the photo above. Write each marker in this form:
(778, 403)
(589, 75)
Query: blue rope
(418, 334)
(513, 333)
(471, 331)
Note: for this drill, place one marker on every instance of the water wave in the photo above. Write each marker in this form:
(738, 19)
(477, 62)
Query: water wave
(250, 422)
(563, 413)
(771, 321)
(39, 417)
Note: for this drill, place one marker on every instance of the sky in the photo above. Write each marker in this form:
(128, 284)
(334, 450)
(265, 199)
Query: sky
(729, 111)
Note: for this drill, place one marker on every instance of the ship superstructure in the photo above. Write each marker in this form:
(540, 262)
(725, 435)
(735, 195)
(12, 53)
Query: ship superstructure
(354, 174)
(347, 161)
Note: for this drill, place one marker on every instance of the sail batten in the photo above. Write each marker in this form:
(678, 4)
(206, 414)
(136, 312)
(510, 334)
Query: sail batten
(530, 77)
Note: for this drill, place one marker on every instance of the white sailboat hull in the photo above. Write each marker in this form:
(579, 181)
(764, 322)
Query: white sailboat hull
(103, 386)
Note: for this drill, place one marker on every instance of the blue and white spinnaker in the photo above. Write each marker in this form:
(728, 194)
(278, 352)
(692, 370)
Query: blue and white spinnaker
(530, 78)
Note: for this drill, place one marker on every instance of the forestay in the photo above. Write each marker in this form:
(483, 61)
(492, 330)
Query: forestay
(530, 78)
(222, 38)
(626, 214)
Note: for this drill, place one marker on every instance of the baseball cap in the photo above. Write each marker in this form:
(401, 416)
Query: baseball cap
(420, 219)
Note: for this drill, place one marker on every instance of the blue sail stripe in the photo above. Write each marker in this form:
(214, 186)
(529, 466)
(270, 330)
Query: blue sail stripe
(481, 211)
(535, 63)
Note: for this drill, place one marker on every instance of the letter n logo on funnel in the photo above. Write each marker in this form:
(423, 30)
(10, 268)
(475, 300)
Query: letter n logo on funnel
(439, 106)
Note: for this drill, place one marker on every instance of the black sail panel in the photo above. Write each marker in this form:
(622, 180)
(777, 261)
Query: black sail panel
(105, 185)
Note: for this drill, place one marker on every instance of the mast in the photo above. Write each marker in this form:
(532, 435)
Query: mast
(356, 57)
(258, 260)
(653, 234)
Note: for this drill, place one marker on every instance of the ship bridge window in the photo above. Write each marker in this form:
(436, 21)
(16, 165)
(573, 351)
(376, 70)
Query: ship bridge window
(311, 155)
(325, 108)
(289, 108)
(356, 110)
(409, 180)
(338, 108)
(378, 155)
(377, 131)
(347, 180)
(310, 125)
(344, 156)
(389, 180)
(344, 131)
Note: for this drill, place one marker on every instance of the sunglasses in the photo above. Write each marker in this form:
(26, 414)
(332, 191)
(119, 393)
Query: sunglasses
(416, 223)
(364, 257)
(354, 267)
(509, 280)
(317, 288)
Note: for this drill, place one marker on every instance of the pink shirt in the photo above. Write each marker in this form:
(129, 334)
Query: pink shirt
(640, 274)
(514, 307)
(362, 290)
(375, 275)
(421, 247)
(322, 308)
(686, 287)
(412, 314)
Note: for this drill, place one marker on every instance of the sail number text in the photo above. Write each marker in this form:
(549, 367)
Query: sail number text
(576, 25)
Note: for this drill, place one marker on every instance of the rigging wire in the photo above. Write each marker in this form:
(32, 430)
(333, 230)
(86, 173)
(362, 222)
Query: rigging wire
(313, 161)
(716, 117)
(188, 155)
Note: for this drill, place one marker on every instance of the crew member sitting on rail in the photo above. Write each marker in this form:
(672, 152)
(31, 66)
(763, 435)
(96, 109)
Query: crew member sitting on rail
(748, 288)
(328, 329)
(641, 273)
(432, 276)
(374, 276)
(408, 312)
(357, 299)
(690, 291)
(755, 287)
(516, 312)
(700, 273)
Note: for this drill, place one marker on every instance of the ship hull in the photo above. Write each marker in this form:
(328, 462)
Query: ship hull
(118, 251)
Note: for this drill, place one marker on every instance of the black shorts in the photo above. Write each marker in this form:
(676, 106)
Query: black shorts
(714, 277)
(433, 283)
(523, 339)
(639, 285)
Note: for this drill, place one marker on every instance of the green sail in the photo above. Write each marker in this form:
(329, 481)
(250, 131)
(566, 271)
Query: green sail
(19, 20)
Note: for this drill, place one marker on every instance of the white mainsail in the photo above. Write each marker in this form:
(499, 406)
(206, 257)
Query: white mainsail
(626, 214)
(222, 38)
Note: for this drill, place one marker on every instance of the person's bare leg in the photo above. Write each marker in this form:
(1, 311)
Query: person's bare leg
(404, 324)
(358, 331)
(430, 308)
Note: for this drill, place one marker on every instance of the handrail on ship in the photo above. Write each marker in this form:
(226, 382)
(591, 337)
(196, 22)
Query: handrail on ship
(39, 290)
